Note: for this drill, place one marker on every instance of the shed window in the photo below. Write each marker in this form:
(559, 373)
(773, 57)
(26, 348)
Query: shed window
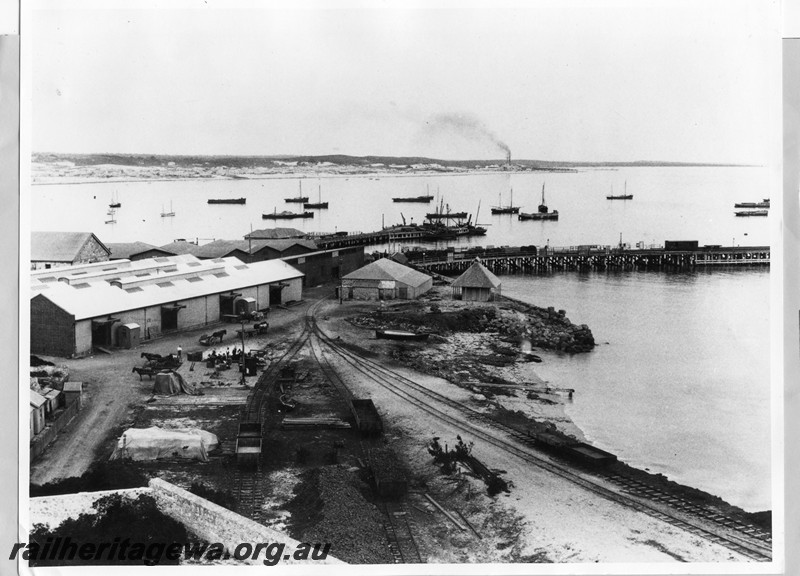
(221, 274)
(81, 285)
(194, 279)
(166, 284)
(134, 289)
(301, 260)
(193, 264)
(241, 267)
(81, 273)
(161, 259)
(142, 274)
(48, 279)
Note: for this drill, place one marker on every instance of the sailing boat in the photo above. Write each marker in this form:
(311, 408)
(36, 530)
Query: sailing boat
(317, 205)
(510, 209)
(299, 199)
(543, 213)
(167, 214)
(115, 203)
(624, 196)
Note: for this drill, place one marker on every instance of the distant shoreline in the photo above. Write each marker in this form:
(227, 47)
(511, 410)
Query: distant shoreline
(49, 180)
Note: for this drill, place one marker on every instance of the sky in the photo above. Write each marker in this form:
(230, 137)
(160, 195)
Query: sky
(573, 81)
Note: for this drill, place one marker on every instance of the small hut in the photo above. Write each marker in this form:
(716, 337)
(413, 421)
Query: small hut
(477, 284)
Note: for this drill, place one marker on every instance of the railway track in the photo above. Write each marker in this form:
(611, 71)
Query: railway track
(706, 522)
(400, 535)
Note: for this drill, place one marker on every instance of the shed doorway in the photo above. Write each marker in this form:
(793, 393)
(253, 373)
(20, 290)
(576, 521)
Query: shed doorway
(101, 332)
(275, 295)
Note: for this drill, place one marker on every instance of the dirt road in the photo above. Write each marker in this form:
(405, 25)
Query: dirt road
(112, 392)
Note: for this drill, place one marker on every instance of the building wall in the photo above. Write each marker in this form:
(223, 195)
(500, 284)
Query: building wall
(92, 251)
(475, 294)
(321, 268)
(45, 265)
(83, 337)
(294, 291)
(52, 331)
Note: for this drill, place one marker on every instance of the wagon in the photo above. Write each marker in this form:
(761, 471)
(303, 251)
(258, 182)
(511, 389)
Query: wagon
(248, 444)
(368, 421)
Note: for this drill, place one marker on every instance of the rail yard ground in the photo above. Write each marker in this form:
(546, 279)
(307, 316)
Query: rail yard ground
(469, 381)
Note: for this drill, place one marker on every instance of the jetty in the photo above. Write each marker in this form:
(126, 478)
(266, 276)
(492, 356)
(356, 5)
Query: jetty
(530, 258)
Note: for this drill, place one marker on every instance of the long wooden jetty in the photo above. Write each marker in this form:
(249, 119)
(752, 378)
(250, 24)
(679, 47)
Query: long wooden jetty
(530, 258)
(342, 240)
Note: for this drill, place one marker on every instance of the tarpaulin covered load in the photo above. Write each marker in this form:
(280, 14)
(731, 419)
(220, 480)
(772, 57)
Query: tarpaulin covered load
(170, 383)
(156, 443)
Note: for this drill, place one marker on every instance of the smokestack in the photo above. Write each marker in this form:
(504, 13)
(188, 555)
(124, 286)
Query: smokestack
(508, 157)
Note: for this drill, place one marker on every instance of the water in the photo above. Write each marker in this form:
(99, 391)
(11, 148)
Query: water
(679, 382)
(668, 204)
(682, 386)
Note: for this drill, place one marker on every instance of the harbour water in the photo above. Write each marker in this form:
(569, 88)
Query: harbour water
(679, 382)
(681, 388)
(668, 204)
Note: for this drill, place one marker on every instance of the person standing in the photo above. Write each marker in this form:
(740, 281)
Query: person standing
(180, 353)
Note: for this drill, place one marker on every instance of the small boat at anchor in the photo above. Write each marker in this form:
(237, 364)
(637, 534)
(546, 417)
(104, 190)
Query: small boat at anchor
(299, 199)
(510, 209)
(167, 214)
(227, 200)
(421, 199)
(542, 214)
(753, 213)
(115, 203)
(624, 196)
(763, 204)
(401, 335)
(319, 205)
(286, 215)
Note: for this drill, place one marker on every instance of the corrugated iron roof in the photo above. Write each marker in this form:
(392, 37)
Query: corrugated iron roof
(124, 250)
(477, 276)
(181, 247)
(275, 233)
(103, 298)
(60, 246)
(37, 400)
(386, 269)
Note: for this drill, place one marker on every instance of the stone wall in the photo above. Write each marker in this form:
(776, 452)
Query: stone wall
(214, 523)
(91, 252)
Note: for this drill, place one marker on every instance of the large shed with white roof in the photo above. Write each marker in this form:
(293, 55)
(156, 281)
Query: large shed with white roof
(77, 308)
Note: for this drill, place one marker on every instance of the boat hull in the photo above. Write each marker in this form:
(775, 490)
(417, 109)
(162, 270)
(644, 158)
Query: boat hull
(297, 199)
(420, 199)
(316, 205)
(512, 210)
(227, 200)
(539, 216)
(753, 213)
(624, 197)
(287, 216)
(401, 335)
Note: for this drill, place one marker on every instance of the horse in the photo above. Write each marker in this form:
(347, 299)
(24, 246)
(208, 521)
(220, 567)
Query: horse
(152, 357)
(219, 334)
(144, 372)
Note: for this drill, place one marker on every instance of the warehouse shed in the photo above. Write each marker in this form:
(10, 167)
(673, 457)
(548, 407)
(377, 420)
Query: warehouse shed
(477, 284)
(385, 279)
(58, 249)
(77, 309)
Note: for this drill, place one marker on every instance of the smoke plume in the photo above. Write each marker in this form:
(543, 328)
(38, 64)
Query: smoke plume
(466, 126)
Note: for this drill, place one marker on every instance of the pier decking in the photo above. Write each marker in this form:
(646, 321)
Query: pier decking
(529, 258)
